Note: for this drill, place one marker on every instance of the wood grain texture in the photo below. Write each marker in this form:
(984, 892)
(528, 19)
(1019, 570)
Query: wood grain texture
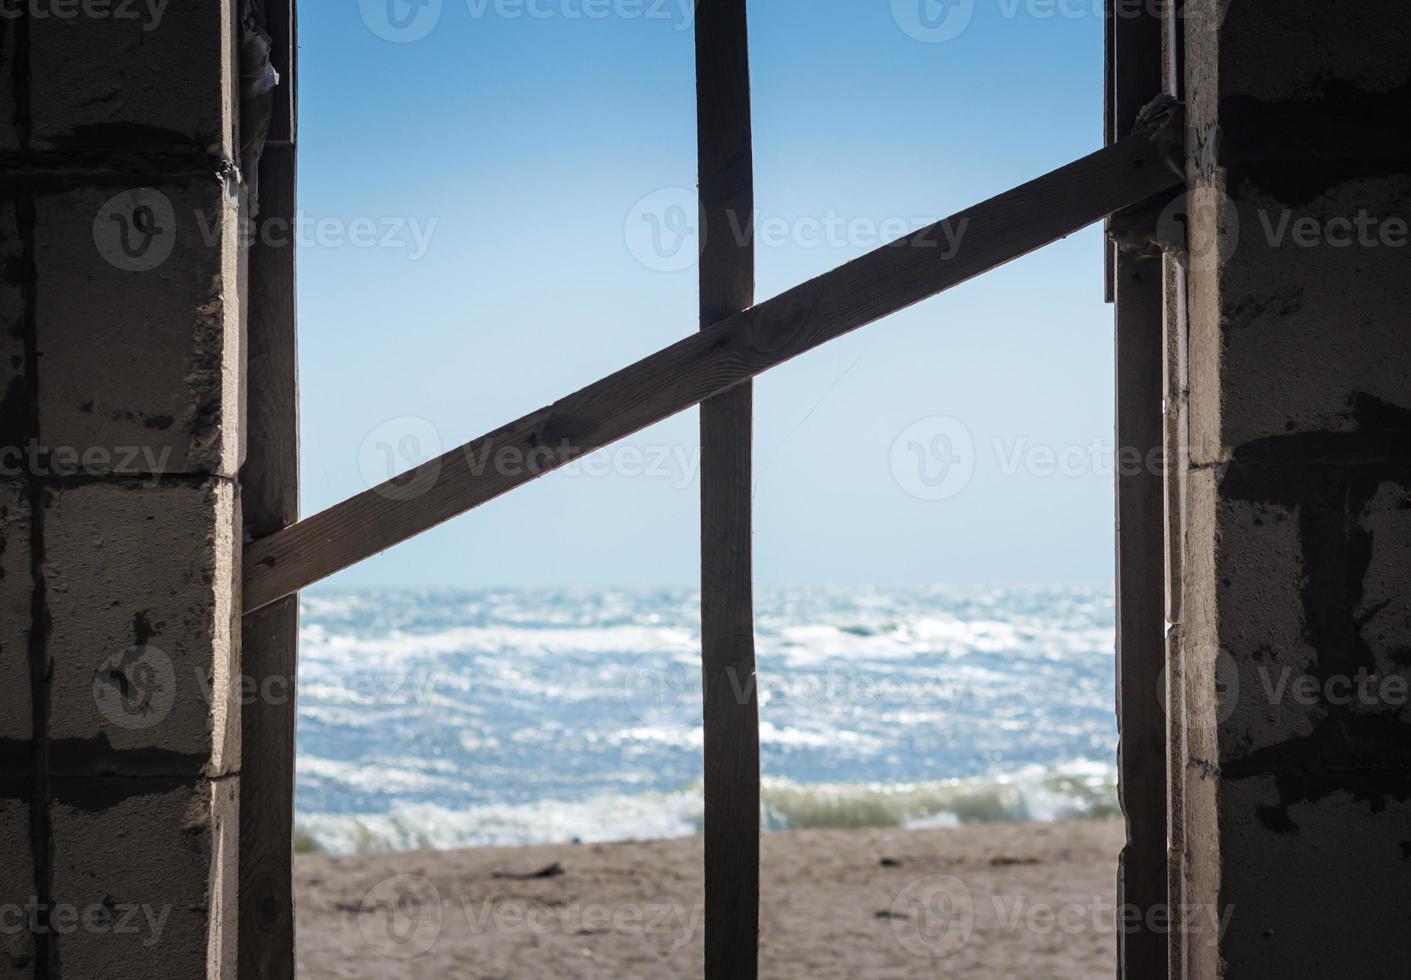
(281, 20)
(1175, 389)
(1138, 75)
(269, 638)
(1177, 448)
(1141, 626)
(1109, 136)
(707, 363)
(731, 707)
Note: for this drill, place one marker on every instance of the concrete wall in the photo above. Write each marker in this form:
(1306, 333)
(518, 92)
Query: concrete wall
(1295, 563)
(120, 368)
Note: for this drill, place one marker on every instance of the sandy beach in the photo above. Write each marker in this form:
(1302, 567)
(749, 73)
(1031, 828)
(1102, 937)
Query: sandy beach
(995, 900)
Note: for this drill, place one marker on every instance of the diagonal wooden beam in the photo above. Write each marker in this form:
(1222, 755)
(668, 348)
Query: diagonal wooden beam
(714, 360)
(730, 715)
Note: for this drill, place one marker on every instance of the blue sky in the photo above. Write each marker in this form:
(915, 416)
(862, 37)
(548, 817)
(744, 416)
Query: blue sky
(514, 168)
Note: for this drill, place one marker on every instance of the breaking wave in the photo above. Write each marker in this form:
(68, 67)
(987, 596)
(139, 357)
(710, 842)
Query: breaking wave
(1078, 792)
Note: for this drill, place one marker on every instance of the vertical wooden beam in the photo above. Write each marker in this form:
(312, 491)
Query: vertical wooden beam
(1141, 590)
(1138, 77)
(270, 489)
(731, 714)
(1109, 136)
(1177, 451)
(1175, 388)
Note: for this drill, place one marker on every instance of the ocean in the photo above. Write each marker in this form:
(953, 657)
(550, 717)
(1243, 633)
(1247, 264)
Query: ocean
(441, 719)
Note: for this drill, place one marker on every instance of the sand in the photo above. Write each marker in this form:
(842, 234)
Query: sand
(995, 900)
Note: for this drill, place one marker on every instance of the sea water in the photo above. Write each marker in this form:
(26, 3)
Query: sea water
(449, 719)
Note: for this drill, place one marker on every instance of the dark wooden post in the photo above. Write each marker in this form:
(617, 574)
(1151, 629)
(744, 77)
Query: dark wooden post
(1175, 391)
(1136, 77)
(270, 493)
(731, 714)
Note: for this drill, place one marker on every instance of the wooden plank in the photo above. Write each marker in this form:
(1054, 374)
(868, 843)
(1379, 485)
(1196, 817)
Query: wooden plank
(1177, 448)
(269, 638)
(1175, 389)
(1138, 76)
(282, 22)
(1141, 591)
(270, 502)
(1109, 136)
(731, 709)
(707, 363)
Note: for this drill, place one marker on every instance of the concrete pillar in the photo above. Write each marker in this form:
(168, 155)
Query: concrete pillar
(120, 366)
(1295, 606)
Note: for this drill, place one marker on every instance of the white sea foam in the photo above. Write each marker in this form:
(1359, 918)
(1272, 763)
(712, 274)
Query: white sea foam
(1075, 791)
(417, 826)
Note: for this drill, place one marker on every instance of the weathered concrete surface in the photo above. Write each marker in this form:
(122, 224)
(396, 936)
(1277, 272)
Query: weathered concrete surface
(13, 397)
(1290, 122)
(16, 877)
(144, 279)
(1385, 611)
(16, 579)
(159, 76)
(121, 377)
(17, 884)
(156, 852)
(1286, 254)
(1298, 728)
(10, 100)
(1296, 622)
(142, 641)
(1318, 911)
